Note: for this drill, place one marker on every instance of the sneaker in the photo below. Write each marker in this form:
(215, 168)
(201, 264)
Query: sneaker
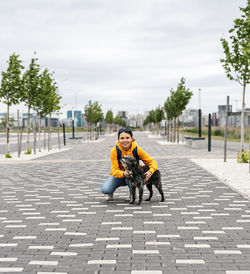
(110, 197)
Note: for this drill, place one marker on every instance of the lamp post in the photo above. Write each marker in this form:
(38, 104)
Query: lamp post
(199, 112)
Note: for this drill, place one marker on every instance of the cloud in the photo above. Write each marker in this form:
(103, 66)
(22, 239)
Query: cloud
(125, 54)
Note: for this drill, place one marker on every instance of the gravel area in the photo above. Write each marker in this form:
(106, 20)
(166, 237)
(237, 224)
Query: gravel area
(234, 174)
(32, 156)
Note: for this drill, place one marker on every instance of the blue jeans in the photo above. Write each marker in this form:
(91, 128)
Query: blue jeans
(112, 183)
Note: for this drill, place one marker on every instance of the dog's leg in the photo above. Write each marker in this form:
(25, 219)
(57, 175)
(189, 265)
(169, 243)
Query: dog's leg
(149, 186)
(140, 195)
(159, 187)
(132, 199)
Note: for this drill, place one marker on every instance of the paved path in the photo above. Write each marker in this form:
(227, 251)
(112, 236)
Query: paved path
(53, 218)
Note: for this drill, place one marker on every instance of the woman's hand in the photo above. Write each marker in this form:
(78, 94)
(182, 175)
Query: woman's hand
(148, 175)
(126, 173)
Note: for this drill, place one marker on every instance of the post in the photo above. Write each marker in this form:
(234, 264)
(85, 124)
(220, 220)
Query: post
(209, 132)
(64, 137)
(20, 147)
(34, 132)
(73, 129)
(249, 153)
(49, 124)
(39, 133)
(18, 134)
(165, 131)
(182, 139)
(199, 112)
(44, 135)
(199, 122)
(58, 131)
(225, 135)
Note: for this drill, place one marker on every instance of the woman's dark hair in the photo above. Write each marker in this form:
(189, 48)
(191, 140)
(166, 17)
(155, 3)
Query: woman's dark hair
(126, 130)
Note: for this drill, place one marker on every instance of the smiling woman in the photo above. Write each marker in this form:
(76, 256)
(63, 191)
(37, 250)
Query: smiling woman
(125, 146)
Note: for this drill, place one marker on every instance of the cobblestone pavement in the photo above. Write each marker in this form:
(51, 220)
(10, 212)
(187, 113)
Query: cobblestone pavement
(53, 218)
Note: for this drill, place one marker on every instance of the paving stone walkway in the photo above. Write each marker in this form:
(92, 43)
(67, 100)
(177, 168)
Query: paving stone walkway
(53, 218)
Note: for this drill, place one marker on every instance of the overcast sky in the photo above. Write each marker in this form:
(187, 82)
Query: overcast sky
(126, 55)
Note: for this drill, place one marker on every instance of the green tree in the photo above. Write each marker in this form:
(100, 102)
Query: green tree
(48, 100)
(109, 118)
(93, 114)
(181, 98)
(159, 116)
(170, 110)
(150, 119)
(3, 122)
(237, 57)
(31, 80)
(11, 90)
(119, 121)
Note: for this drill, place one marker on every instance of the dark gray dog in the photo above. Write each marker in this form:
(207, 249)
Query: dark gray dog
(137, 176)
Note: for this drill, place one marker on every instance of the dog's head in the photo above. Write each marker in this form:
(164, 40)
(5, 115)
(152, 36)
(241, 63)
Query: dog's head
(129, 163)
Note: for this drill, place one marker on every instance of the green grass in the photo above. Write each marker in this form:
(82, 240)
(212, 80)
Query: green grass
(218, 133)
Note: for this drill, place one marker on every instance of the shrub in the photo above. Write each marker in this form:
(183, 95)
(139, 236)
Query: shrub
(243, 157)
(28, 150)
(7, 155)
(218, 132)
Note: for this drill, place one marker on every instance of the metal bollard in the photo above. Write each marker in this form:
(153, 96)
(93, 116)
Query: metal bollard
(209, 132)
(64, 137)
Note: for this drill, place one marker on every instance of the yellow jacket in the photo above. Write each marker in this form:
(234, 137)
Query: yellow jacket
(117, 170)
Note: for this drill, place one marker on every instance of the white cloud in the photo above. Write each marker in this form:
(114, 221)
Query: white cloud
(124, 54)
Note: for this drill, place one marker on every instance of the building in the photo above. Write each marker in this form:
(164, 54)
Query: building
(222, 115)
(190, 117)
(77, 117)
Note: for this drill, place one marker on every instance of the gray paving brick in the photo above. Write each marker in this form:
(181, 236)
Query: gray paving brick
(63, 188)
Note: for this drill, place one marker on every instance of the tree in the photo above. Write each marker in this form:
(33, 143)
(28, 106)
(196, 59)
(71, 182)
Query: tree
(109, 118)
(48, 99)
(93, 114)
(150, 119)
(170, 110)
(31, 82)
(11, 91)
(159, 116)
(3, 122)
(237, 57)
(181, 98)
(119, 121)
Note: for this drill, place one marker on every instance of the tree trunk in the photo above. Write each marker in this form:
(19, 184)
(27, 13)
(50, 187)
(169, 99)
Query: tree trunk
(18, 134)
(157, 129)
(178, 131)
(168, 130)
(7, 130)
(34, 133)
(44, 135)
(242, 129)
(49, 133)
(28, 140)
(174, 130)
(39, 133)
(58, 132)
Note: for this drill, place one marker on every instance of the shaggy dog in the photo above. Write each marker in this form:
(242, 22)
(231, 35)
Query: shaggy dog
(137, 176)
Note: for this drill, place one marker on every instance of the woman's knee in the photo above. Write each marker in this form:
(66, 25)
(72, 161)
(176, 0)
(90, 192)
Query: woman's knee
(107, 187)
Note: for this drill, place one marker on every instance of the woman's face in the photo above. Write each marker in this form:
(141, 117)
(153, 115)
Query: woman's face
(125, 140)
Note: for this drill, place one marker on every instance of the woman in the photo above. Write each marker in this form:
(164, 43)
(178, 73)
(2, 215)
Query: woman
(125, 146)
